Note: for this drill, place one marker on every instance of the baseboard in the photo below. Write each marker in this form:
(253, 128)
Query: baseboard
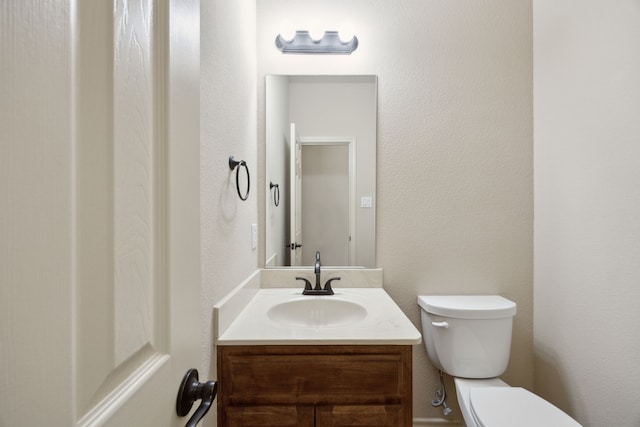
(435, 422)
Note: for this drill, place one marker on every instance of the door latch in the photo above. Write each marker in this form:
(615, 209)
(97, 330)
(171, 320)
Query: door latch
(191, 390)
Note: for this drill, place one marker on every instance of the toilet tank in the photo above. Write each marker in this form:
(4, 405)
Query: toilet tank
(468, 336)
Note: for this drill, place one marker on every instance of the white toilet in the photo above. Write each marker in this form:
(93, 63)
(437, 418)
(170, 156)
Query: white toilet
(469, 338)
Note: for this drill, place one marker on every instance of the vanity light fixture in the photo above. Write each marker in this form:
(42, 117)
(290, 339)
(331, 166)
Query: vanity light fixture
(329, 44)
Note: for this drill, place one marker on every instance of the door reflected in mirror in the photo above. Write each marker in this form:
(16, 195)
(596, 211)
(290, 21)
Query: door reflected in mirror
(320, 134)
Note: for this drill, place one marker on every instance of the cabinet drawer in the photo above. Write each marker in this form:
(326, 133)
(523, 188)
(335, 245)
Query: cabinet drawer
(314, 374)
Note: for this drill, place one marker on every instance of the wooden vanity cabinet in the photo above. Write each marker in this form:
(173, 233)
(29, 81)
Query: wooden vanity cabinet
(314, 385)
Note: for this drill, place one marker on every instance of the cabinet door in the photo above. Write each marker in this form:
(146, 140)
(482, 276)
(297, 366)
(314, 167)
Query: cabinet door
(269, 416)
(359, 415)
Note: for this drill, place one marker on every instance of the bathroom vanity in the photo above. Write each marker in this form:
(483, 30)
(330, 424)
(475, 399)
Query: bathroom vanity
(284, 359)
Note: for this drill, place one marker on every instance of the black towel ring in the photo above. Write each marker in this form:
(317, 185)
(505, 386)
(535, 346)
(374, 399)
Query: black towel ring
(276, 193)
(237, 164)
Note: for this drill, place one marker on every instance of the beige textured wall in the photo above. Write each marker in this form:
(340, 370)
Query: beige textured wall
(228, 127)
(455, 196)
(587, 228)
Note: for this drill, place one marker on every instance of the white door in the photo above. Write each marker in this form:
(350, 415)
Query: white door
(295, 199)
(99, 211)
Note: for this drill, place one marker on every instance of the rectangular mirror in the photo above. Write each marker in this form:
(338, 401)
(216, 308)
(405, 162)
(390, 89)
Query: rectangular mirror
(320, 134)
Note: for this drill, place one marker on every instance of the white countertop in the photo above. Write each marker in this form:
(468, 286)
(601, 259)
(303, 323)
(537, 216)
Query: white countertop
(384, 323)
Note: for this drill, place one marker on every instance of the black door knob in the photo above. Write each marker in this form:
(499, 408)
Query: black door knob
(191, 390)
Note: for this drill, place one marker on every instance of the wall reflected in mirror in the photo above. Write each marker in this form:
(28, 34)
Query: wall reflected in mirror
(320, 135)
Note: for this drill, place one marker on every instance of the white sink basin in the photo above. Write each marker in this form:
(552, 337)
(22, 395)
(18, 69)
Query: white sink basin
(317, 312)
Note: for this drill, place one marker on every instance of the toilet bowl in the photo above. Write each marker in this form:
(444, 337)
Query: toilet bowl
(469, 338)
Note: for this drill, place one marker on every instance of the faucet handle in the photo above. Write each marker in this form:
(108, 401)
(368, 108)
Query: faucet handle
(327, 285)
(307, 284)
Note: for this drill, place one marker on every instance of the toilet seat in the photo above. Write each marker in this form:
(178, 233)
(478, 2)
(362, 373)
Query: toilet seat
(511, 406)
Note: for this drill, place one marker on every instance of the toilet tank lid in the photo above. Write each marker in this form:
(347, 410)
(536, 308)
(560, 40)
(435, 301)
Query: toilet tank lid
(468, 306)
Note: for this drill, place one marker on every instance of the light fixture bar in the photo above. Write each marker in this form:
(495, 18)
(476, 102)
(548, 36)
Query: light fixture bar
(329, 44)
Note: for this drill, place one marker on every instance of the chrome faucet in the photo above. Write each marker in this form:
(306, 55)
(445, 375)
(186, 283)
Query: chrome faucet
(317, 290)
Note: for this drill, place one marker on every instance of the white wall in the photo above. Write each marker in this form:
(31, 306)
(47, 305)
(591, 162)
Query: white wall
(228, 127)
(587, 192)
(454, 147)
